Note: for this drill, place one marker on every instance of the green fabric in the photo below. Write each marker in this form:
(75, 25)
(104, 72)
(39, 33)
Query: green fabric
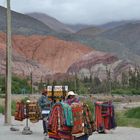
(67, 114)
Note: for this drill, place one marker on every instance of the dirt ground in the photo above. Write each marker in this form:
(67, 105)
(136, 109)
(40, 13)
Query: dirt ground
(120, 133)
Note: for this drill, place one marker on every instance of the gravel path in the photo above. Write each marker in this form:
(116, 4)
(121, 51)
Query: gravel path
(120, 133)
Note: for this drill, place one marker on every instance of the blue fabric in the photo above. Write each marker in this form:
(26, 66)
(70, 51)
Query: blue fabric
(43, 102)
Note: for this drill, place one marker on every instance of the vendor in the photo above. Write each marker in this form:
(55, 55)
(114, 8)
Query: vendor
(71, 98)
(44, 104)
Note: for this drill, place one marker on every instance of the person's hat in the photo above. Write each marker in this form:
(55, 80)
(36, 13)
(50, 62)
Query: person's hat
(71, 93)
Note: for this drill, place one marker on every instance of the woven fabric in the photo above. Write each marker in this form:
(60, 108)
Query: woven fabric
(57, 123)
(54, 136)
(19, 113)
(89, 125)
(34, 112)
(104, 115)
(53, 119)
(67, 114)
(98, 116)
(77, 111)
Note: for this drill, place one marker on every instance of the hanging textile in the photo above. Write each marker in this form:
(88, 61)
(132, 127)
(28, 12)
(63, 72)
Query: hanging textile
(57, 125)
(104, 116)
(20, 111)
(69, 121)
(89, 124)
(78, 124)
(34, 113)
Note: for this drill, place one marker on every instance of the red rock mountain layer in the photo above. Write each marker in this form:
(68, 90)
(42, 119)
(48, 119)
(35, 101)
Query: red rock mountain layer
(47, 55)
(96, 64)
(50, 52)
(55, 54)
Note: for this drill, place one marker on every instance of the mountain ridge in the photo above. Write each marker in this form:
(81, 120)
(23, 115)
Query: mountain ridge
(23, 24)
(51, 22)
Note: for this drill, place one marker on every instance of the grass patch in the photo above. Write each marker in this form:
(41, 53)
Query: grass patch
(13, 108)
(133, 113)
(1, 109)
(126, 118)
(126, 91)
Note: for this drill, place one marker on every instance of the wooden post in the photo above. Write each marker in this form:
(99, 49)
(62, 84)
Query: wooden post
(8, 67)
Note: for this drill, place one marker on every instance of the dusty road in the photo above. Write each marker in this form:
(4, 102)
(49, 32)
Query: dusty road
(120, 133)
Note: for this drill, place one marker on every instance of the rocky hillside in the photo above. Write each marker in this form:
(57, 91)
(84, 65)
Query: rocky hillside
(51, 22)
(78, 27)
(91, 31)
(48, 55)
(97, 64)
(49, 52)
(114, 24)
(23, 24)
(21, 65)
(39, 49)
(124, 42)
(128, 35)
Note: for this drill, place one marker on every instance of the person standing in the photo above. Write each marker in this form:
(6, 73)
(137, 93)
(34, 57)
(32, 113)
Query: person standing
(45, 105)
(71, 98)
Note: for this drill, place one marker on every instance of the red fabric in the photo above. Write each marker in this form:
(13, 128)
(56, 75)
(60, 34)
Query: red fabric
(77, 110)
(53, 120)
(106, 122)
(98, 115)
(19, 113)
(103, 112)
(56, 124)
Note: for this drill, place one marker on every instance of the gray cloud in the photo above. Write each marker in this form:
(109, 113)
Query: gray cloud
(81, 11)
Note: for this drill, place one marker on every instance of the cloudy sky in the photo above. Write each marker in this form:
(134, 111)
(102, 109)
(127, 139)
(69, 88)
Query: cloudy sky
(81, 11)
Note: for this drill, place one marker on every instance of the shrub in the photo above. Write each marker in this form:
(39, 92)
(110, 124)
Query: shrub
(1, 109)
(135, 91)
(126, 91)
(133, 113)
(123, 120)
(13, 108)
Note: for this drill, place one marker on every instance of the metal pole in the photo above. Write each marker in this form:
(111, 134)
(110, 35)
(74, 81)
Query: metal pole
(26, 129)
(31, 74)
(8, 67)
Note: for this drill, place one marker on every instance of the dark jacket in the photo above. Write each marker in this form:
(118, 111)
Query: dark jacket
(44, 103)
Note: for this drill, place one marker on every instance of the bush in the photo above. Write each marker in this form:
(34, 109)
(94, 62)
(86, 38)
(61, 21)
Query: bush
(17, 85)
(135, 91)
(13, 108)
(126, 91)
(1, 109)
(133, 113)
(123, 120)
